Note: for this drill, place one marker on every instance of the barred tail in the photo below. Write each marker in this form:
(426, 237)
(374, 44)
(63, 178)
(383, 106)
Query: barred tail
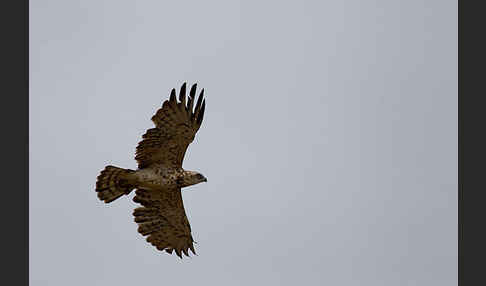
(113, 182)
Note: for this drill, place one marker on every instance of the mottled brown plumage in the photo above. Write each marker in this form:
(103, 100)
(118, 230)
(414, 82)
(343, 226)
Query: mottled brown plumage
(160, 175)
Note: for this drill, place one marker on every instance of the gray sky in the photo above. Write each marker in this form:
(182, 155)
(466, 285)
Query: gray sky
(329, 140)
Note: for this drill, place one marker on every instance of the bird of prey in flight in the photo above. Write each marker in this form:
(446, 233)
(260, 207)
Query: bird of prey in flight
(160, 176)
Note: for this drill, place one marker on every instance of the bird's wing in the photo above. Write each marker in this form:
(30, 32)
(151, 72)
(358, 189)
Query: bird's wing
(164, 220)
(176, 124)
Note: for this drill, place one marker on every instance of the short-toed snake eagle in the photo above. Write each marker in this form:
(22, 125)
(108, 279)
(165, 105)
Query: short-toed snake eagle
(160, 176)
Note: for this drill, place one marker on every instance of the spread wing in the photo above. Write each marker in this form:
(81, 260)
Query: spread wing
(164, 220)
(176, 124)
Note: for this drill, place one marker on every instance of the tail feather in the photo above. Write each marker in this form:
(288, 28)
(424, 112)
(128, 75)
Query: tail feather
(113, 182)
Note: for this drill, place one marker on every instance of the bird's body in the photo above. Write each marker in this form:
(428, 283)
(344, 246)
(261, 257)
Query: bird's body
(160, 176)
(157, 177)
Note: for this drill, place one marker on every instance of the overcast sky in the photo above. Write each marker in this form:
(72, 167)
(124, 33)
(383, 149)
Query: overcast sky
(329, 140)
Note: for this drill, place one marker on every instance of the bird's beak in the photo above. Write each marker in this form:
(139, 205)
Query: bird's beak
(205, 180)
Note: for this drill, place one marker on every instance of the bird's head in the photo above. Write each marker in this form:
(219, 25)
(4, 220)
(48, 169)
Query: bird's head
(190, 178)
